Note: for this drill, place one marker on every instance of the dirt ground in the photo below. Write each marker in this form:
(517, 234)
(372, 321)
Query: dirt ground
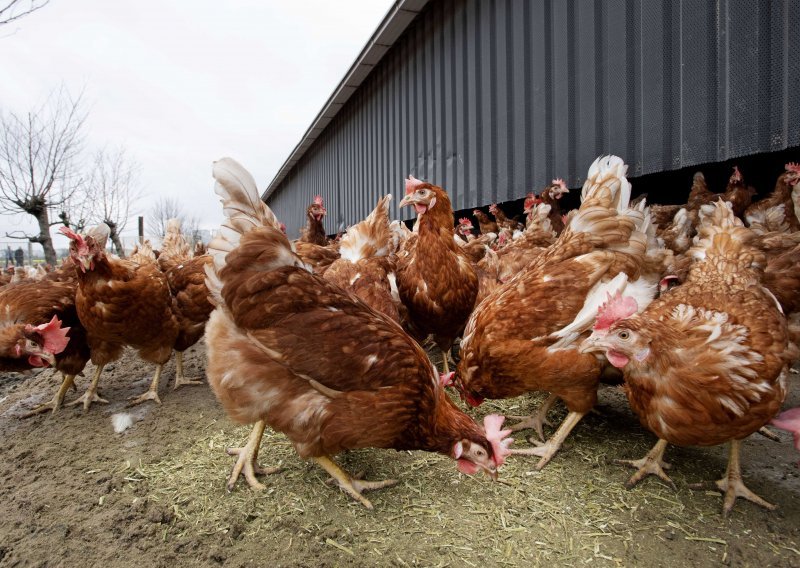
(74, 492)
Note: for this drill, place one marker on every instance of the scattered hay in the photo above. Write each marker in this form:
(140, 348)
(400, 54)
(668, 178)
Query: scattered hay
(575, 511)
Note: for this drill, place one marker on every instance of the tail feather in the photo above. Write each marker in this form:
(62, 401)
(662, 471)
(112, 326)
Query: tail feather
(606, 184)
(244, 212)
(371, 237)
(720, 234)
(174, 244)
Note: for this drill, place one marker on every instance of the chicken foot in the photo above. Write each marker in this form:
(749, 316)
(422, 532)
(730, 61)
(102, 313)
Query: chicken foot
(152, 392)
(651, 464)
(180, 380)
(537, 420)
(548, 449)
(91, 395)
(246, 460)
(732, 485)
(351, 486)
(57, 400)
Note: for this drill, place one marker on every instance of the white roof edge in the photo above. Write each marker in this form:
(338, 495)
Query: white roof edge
(392, 26)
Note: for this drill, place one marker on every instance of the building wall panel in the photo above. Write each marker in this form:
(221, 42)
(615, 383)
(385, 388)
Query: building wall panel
(494, 98)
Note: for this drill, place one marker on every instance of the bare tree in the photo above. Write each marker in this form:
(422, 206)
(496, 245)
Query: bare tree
(111, 191)
(16, 9)
(167, 208)
(37, 155)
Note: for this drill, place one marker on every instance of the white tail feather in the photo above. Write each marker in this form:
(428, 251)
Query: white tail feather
(245, 211)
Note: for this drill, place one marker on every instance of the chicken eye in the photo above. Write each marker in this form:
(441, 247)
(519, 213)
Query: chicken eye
(624, 334)
(480, 452)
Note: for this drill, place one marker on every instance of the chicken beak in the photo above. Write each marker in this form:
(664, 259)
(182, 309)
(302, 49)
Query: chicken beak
(86, 263)
(492, 473)
(591, 344)
(407, 200)
(49, 357)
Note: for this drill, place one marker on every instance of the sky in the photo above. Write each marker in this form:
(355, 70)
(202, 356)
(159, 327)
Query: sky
(180, 84)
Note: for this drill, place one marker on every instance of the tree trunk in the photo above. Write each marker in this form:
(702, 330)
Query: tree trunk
(117, 244)
(44, 236)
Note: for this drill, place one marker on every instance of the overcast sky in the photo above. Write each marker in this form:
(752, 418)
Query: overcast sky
(182, 83)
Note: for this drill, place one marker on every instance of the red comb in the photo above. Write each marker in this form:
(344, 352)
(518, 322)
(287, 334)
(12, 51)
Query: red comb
(318, 199)
(793, 167)
(412, 184)
(66, 231)
(737, 174)
(559, 181)
(615, 309)
(497, 437)
(464, 221)
(55, 336)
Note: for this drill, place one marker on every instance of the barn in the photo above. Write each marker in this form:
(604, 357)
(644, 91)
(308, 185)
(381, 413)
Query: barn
(491, 99)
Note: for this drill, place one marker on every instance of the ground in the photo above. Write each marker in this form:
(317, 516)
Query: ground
(74, 492)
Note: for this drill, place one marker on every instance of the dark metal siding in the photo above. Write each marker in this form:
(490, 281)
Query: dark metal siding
(493, 99)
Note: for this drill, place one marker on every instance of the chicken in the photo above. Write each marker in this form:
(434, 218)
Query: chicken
(706, 363)
(365, 266)
(143, 253)
(662, 215)
(314, 231)
(678, 234)
(551, 195)
(503, 222)
(520, 252)
(186, 278)
(524, 337)
(437, 283)
(699, 194)
(318, 257)
(485, 224)
(738, 194)
(786, 193)
(40, 328)
(464, 229)
(120, 303)
(290, 350)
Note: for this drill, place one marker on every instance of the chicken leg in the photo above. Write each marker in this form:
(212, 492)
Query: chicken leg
(732, 485)
(551, 446)
(57, 400)
(651, 464)
(537, 420)
(246, 461)
(180, 380)
(91, 395)
(152, 392)
(351, 486)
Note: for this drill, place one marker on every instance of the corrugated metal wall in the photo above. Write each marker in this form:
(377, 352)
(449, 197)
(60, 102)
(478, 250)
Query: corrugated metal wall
(491, 99)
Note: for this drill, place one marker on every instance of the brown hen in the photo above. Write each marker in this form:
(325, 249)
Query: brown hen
(707, 362)
(186, 277)
(120, 303)
(290, 350)
(524, 337)
(436, 280)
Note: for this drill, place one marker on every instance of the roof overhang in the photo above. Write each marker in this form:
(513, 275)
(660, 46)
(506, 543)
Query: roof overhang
(394, 23)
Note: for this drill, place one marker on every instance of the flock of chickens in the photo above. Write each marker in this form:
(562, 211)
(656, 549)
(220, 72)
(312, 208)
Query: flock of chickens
(693, 309)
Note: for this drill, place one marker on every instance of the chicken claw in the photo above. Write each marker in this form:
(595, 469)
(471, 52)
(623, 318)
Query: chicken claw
(537, 420)
(246, 461)
(548, 449)
(90, 395)
(180, 380)
(57, 400)
(732, 485)
(152, 392)
(651, 464)
(351, 486)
